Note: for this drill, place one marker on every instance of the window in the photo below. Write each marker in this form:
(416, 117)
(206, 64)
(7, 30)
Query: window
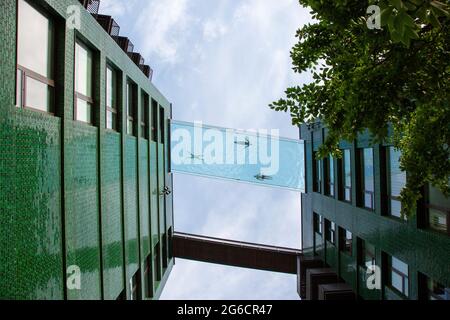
(438, 211)
(112, 117)
(345, 176)
(157, 262)
(330, 234)
(148, 277)
(367, 257)
(329, 176)
(317, 172)
(398, 275)
(396, 181)
(83, 83)
(154, 121)
(346, 241)
(135, 286)
(35, 57)
(437, 291)
(131, 108)
(367, 196)
(164, 251)
(318, 223)
(144, 115)
(161, 124)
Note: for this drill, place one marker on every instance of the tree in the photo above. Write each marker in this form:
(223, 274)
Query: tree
(393, 81)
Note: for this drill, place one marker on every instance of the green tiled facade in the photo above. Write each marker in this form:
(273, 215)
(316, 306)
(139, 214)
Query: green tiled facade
(425, 251)
(73, 193)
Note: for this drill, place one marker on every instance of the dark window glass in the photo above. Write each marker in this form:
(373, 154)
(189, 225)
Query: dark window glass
(346, 241)
(318, 223)
(330, 231)
(157, 262)
(368, 256)
(144, 115)
(161, 125)
(35, 58)
(317, 172)
(437, 291)
(438, 211)
(154, 120)
(135, 286)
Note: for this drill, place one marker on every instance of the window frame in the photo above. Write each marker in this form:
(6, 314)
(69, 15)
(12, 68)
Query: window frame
(114, 110)
(330, 232)
(405, 277)
(28, 73)
(130, 84)
(78, 95)
(343, 244)
(329, 176)
(389, 196)
(145, 114)
(342, 183)
(362, 178)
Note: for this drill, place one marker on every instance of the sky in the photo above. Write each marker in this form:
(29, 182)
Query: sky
(223, 62)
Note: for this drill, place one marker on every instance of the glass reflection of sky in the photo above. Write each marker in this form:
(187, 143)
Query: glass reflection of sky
(193, 154)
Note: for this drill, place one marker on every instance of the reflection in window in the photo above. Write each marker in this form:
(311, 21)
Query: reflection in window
(438, 211)
(437, 291)
(318, 223)
(83, 83)
(317, 172)
(346, 241)
(399, 275)
(345, 172)
(396, 180)
(329, 179)
(367, 175)
(111, 99)
(35, 83)
(131, 108)
(330, 231)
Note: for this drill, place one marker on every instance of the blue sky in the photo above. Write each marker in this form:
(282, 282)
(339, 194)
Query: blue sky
(222, 62)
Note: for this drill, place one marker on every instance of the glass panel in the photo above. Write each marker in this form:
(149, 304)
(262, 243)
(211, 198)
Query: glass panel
(368, 200)
(437, 198)
(437, 291)
(398, 177)
(397, 281)
(130, 127)
(331, 176)
(396, 207)
(110, 120)
(84, 111)
(250, 157)
(34, 40)
(347, 175)
(37, 95)
(19, 89)
(438, 220)
(399, 265)
(110, 88)
(83, 70)
(368, 170)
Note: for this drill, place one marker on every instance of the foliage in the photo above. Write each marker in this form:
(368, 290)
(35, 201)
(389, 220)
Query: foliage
(394, 81)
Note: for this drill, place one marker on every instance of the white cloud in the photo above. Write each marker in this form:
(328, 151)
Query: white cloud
(163, 25)
(213, 30)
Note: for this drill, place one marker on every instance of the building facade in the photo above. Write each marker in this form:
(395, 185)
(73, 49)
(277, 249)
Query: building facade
(351, 222)
(86, 208)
